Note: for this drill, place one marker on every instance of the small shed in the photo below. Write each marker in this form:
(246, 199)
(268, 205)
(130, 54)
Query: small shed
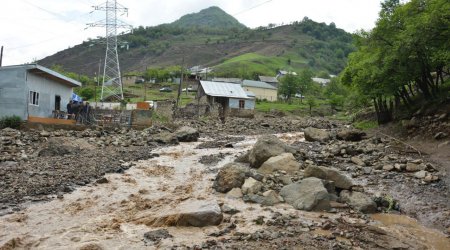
(232, 97)
(262, 90)
(33, 91)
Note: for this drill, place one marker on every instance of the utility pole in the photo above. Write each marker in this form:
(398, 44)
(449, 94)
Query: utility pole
(1, 56)
(112, 79)
(181, 82)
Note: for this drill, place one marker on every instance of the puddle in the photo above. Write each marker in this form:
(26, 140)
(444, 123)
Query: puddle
(406, 227)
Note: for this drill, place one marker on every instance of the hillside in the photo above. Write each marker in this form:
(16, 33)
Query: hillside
(235, 51)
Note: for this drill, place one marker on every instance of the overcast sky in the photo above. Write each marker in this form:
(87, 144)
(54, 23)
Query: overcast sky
(31, 29)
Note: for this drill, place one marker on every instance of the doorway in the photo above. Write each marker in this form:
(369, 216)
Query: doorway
(58, 102)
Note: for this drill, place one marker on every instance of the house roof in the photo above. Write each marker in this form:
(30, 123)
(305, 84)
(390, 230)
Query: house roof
(230, 80)
(322, 81)
(268, 79)
(257, 84)
(40, 70)
(224, 89)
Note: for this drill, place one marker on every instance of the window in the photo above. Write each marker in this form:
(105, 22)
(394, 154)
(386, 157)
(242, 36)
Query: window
(34, 98)
(241, 104)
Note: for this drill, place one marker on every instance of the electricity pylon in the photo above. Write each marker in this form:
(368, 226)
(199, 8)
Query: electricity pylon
(112, 80)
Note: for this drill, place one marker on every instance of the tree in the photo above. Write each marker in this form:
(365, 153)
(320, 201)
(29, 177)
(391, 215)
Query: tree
(311, 101)
(87, 93)
(289, 86)
(305, 82)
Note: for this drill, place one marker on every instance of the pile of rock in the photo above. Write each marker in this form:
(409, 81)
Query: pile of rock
(274, 175)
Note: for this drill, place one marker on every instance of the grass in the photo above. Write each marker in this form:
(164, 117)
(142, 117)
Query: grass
(365, 125)
(280, 106)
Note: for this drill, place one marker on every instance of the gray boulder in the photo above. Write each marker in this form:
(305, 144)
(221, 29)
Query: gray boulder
(156, 236)
(230, 176)
(187, 134)
(315, 134)
(165, 138)
(358, 201)
(308, 194)
(266, 147)
(330, 174)
(251, 186)
(285, 162)
(198, 213)
(350, 134)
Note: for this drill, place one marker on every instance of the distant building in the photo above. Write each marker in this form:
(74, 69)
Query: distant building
(132, 79)
(282, 73)
(33, 91)
(232, 97)
(322, 81)
(270, 80)
(261, 90)
(200, 73)
(231, 80)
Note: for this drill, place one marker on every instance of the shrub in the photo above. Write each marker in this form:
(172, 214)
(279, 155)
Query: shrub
(10, 122)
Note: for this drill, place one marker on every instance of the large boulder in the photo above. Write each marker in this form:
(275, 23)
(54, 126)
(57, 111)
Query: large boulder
(230, 176)
(187, 134)
(165, 138)
(267, 146)
(359, 201)
(198, 213)
(308, 194)
(340, 180)
(347, 134)
(315, 134)
(285, 162)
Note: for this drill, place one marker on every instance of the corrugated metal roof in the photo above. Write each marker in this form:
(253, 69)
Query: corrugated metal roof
(38, 68)
(224, 89)
(257, 84)
(250, 94)
(229, 80)
(268, 79)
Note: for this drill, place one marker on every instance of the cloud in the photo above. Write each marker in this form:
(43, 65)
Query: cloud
(35, 29)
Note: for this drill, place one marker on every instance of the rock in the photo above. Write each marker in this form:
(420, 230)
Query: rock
(431, 178)
(285, 179)
(367, 170)
(266, 147)
(227, 209)
(421, 174)
(308, 194)
(254, 198)
(56, 147)
(285, 162)
(358, 161)
(251, 186)
(399, 167)
(235, 193)
(191, 213)
(440, 135)
(340, 180)
(414, 167)
(444, 144)
(314, 134)
(358, 201)
(165, 138)
(187, 134)
(388, 167)
(156, 236)
(230, 176)
(350, 135)
(271, 198)
(102, 180)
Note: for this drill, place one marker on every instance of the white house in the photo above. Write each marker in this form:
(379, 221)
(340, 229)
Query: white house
(33, 91)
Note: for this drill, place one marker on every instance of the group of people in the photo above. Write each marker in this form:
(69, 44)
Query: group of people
(79, 111)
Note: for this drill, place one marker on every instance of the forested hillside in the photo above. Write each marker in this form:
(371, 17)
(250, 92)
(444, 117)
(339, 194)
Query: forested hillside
(213, 38)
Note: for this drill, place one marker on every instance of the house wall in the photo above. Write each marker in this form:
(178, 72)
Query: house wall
(234, 103)
(260, 93)
(47, 90)
(13, 93)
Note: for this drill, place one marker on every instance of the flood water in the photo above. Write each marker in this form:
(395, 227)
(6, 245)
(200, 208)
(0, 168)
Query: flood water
(110, 215)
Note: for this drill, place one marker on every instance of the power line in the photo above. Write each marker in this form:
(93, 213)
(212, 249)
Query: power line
(251, 8)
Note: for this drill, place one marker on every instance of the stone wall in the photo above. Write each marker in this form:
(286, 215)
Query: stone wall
(243, 113)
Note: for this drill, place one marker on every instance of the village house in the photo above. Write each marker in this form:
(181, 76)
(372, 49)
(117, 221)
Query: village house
(130, 79)
(232, 98)
(270, 80)
(262, 90)
(33, 91)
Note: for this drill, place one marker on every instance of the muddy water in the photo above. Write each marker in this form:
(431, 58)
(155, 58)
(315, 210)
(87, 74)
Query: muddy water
(104, 215)
(407, 228)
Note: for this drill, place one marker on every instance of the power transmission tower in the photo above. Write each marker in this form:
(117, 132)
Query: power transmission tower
(112, 80)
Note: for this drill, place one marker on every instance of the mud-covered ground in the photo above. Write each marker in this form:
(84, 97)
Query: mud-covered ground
(98, 184)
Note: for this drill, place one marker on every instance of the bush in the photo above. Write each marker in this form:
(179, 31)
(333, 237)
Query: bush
(10, 122)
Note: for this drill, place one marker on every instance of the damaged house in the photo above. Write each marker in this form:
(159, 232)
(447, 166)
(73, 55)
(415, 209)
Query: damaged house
(234, 100)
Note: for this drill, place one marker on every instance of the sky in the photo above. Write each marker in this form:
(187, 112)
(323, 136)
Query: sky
(31, 30)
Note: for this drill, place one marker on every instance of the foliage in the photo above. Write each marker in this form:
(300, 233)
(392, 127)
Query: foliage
(78, 77)
(211, 17)
(311, 102)
(395, 61)
(289, 86)
(10, 122)
(365, 125)
(87, 93)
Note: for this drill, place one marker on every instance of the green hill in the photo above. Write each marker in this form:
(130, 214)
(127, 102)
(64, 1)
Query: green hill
(212, 17)
(201, 39)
